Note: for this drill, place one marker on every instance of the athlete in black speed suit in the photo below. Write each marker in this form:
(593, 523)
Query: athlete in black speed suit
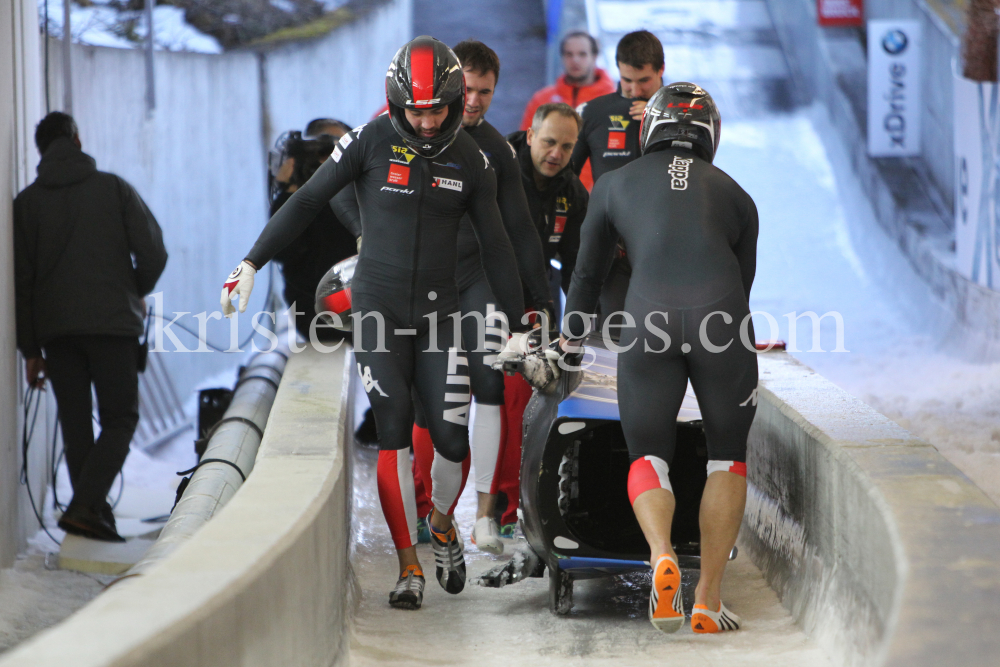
(610, 137)
(692, 237)
(415, 174)
(481, 69)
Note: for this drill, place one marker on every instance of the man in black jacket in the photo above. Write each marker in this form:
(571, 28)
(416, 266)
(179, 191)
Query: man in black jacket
(556, 197)
(86, 252)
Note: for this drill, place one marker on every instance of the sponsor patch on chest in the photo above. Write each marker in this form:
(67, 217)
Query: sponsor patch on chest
(616, 139)
(398, 175)
(447, 183)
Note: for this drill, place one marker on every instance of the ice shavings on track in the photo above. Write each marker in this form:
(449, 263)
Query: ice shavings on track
(33, 597)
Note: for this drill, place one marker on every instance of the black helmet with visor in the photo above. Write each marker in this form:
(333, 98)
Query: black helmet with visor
(683, 114)
(426, 74)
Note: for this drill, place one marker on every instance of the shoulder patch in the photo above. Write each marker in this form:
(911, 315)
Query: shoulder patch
(357, 130)
(345, 141)
(337, 153)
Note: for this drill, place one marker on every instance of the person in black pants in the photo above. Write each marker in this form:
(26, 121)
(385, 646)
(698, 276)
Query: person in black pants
(86, 252)
(691, 231)
(416, 174)
(481, 68)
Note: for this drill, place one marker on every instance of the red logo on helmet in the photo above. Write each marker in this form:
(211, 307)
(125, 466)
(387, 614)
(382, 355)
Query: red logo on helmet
(685, 105)
(422, 75)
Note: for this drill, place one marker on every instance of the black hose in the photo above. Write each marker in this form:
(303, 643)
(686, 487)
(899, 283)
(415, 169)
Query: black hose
(29, 430)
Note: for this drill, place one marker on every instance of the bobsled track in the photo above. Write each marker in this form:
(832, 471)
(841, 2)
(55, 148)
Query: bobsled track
(861, 544)
(880, 551)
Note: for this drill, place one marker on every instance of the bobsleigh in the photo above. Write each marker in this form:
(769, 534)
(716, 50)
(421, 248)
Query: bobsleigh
(574, 510)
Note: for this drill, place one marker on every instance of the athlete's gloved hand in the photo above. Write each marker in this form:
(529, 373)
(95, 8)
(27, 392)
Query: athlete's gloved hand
(238, 285)
(541, 368)
(517, 347)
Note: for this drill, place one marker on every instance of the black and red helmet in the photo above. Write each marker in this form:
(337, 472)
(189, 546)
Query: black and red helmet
(425, 74)
(333, 294)
(682, 112)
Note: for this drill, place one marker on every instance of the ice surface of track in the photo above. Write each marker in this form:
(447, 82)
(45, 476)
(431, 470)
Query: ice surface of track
(513, 626)
(821, 250)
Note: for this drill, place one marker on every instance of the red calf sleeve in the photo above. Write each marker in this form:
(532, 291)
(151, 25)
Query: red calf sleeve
(395, 493)
(649, 472)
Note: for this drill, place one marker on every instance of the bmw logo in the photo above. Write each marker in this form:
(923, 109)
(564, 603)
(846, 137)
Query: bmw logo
(895, 42)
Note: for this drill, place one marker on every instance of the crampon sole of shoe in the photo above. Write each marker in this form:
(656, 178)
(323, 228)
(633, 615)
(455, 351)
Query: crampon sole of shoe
(455, 584)
(410, 602)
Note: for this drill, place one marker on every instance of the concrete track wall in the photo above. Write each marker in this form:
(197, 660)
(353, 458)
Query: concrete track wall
(267, 582)
(19, 109)
(883, 551)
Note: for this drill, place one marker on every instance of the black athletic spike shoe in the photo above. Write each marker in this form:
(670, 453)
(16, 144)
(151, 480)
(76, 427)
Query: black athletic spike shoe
(409, 591)
(449, 558)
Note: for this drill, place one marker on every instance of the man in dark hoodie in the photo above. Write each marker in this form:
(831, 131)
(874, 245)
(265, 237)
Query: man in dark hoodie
(86, 252)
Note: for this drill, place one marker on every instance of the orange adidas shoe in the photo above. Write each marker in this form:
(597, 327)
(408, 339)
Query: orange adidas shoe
(704, 621)
(666, 607)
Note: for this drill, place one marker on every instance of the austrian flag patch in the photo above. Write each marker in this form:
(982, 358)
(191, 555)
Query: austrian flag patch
(398, 175)
(447, 183)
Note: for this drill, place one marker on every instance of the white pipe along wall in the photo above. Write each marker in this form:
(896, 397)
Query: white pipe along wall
(267, 581)
(236, 438)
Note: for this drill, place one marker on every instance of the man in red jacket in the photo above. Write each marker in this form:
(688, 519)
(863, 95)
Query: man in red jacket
(581, 82)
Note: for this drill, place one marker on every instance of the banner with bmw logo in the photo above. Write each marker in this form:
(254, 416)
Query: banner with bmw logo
(894, 90)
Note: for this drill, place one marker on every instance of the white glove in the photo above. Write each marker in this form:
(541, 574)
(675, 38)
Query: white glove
(541, 369)
(517, 347)
(238, 285)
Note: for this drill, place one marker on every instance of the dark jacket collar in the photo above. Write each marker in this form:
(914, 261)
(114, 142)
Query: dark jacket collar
(64, 164)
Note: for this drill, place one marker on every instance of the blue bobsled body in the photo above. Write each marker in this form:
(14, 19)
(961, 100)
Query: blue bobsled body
(575, 510)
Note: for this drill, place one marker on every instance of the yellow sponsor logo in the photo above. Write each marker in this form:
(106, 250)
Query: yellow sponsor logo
(619, 122)
(402, 153)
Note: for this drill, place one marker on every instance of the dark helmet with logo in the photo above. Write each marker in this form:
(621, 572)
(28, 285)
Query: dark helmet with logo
(685, 113)
(426, 74)
(333, 294)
